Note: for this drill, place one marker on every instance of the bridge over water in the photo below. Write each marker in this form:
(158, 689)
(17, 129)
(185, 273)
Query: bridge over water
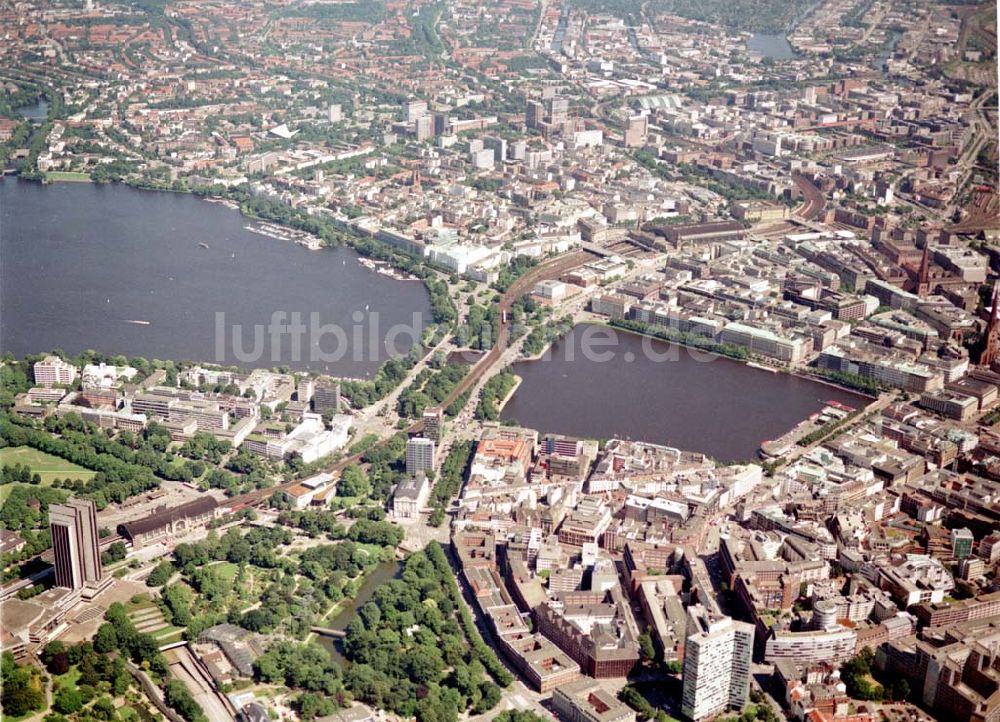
(327, 632)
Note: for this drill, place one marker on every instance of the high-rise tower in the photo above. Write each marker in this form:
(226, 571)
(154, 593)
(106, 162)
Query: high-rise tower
(419, 455)
(717, 656)
(75, 543)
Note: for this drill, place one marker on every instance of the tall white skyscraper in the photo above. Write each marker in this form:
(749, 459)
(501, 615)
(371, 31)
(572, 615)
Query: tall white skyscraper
(717, 657)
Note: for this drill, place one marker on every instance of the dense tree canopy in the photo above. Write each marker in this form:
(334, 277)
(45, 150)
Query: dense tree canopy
(23, 689)
(412, 650)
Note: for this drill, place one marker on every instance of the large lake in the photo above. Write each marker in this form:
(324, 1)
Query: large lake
(690, 400)
(125, 271)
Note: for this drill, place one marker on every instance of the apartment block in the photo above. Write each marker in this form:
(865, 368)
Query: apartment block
(717, 656)
(52, 371)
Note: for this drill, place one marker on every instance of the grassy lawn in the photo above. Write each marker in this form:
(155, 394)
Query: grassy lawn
(6, 489)
(376, 551)
(334, 610)
(65, 681)
(168, 634)
(71, 176)
(144, 603)
(344, 502)
(128, 713)
(45, 465)
(226, 570)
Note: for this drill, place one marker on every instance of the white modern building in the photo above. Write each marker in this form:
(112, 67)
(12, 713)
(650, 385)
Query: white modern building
(311, 440)
(305, 492)
(717, 657)
(52, 370)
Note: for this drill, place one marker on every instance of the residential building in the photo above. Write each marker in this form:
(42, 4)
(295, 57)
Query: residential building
(305, 389)
(326, 397)
(52, 371)
(717, 656)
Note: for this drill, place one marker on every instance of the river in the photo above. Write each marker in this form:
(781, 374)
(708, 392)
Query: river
(378, 576)
(145, 273)
(718, 406)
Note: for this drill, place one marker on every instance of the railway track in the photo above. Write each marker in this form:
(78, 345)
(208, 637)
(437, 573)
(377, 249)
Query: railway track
(814, 202)
(544, 271)
(522, 285)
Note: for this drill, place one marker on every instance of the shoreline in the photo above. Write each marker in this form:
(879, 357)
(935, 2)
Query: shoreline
(341, 603)
(745, 362)
(827, 382)
(789, 371)
(538, 356)
(283, 233)
(397, 273)
(681, 344)
(506, 399)
(66, 177)
(259, 228)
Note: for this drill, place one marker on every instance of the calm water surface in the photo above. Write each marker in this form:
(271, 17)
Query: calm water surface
(379, 575)
(79, 262)
(771, 46)
(720, 407)
(39, 110)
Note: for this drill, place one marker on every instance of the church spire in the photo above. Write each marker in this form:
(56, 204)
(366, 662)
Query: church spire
(989, 354)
